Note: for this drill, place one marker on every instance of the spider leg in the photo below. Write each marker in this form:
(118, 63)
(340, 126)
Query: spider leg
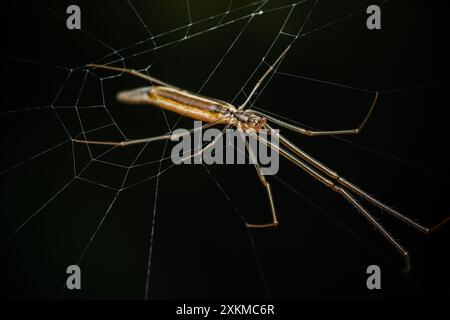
(314, 133)
(132, 72)
(209, 145)
(260, 81)
(343, 192)
(126, 143)
(377, 225)
(353, 188)
(266, 184)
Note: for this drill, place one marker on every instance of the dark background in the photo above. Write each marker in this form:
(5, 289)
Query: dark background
(201, 248)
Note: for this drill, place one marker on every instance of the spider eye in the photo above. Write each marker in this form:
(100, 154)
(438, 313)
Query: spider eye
(262, 122)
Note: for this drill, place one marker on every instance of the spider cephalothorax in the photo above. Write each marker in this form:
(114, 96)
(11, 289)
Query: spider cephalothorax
(248, 121)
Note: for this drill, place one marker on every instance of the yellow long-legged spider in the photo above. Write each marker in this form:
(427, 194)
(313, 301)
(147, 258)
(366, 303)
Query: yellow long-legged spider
(213, 111)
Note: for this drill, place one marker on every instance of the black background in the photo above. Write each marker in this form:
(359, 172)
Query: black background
(201, 248)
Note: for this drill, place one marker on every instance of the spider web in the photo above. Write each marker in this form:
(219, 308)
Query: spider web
(83, 107)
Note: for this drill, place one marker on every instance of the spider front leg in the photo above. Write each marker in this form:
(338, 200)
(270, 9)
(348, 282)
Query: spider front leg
(352, 200)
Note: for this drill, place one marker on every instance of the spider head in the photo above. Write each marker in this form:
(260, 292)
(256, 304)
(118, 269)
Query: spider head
(249, 121)
(256, 122)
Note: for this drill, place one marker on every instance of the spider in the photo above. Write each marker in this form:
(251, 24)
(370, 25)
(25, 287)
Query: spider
(213, 111)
